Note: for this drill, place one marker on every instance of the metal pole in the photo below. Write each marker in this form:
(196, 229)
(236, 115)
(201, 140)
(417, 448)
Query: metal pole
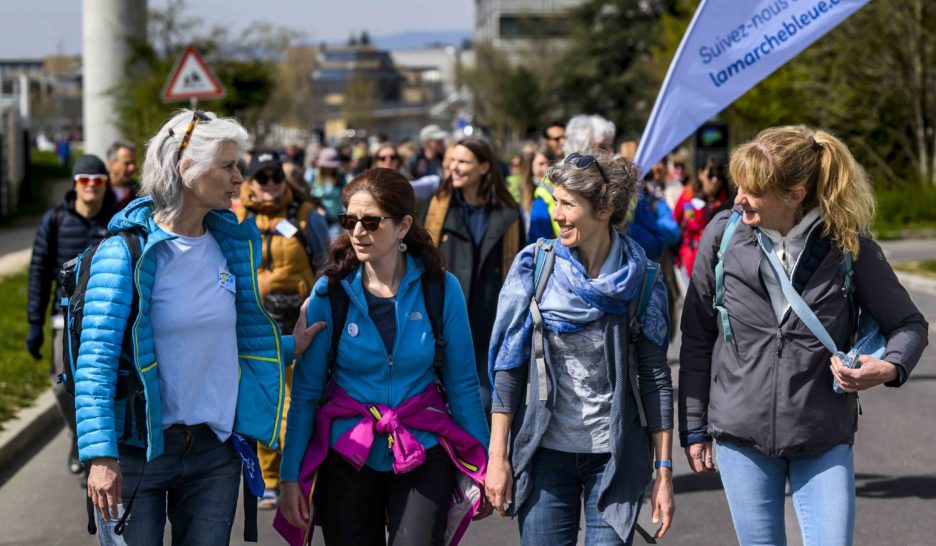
(107, 26)
(194, 103)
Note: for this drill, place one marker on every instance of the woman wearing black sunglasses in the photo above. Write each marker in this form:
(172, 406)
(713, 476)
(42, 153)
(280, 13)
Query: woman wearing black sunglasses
(384, 357)
(478, 227)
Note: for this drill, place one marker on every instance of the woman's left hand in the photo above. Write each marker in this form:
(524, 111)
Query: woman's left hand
(661, 499)
(871, 373)
(303, 334)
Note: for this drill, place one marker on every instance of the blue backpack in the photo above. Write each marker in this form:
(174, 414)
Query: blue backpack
(543, 260)
(869, 339)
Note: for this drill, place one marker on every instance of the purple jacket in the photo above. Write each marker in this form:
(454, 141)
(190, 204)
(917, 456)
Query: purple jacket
(426, 411)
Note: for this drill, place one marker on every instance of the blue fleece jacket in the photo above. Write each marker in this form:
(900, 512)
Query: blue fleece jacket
(370, 375)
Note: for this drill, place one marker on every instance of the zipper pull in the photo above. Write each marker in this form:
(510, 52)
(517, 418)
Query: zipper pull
(390, 360)
(779, 343)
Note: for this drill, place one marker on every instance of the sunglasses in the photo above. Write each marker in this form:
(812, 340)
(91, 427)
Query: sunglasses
(264, 178)
(393, 157)
(583, 162)
(370, 223)
(555, 138)
(197, 116)
(90, 179)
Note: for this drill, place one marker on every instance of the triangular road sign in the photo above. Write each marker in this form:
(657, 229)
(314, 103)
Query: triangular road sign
(191, 79)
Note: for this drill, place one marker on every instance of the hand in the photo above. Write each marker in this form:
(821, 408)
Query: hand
(34, 341)
(104, 481)
(293, 504)
(700, 457)
(870, 373)
(303, 335)
(498, 484)
(661, 499)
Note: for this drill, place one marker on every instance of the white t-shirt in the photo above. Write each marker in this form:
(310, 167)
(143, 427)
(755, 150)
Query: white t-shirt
(194, 322)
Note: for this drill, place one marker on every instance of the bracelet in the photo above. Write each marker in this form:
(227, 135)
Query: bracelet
(664, 463)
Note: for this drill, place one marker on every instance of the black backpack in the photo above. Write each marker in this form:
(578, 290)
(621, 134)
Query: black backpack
(434, 296)
(73, 280)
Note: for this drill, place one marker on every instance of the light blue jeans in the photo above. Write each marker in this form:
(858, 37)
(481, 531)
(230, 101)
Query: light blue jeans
(823, 494)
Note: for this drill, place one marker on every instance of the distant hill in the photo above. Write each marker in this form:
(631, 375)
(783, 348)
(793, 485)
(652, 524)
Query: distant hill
(419, 39)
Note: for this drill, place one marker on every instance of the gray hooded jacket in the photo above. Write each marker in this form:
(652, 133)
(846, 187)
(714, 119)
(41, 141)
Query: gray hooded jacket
(771, 387)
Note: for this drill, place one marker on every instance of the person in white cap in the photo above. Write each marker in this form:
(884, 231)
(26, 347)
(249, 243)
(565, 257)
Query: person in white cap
(429, 159)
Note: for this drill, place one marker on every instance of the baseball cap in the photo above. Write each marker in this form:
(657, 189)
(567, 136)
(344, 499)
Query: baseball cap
(263, 159)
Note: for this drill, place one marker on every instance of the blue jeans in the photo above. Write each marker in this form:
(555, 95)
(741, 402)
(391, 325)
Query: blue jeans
(560, 483)
(823, 494)
(195, 482)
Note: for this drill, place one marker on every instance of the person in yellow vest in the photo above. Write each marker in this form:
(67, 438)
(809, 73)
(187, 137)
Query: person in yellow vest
(291, 230)
(478, 227)
(536, 197)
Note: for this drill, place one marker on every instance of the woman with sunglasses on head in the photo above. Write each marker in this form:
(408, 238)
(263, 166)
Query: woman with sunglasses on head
(77, 223)
(290, 246)
(376, 374)
(478, 227)
(206, 369)
(754, 375)
(704, 196)
(583, 393)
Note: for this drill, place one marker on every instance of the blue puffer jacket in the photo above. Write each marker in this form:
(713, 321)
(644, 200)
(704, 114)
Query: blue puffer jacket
(371, 376)
(261, 350)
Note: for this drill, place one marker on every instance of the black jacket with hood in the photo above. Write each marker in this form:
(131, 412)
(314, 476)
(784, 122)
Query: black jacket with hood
(771, 387)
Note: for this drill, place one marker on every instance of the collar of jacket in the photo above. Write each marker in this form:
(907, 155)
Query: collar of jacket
(71, 195)
(353, 284)
(139, 214)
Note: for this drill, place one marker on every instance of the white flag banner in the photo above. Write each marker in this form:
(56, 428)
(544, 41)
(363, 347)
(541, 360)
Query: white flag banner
(729, 47)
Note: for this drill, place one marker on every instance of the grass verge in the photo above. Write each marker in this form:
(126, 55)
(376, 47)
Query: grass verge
(22, 378)
(924, 268)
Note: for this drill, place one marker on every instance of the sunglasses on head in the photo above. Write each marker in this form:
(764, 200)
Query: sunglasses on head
(263, 178)
(197, 116)
(582, 162)
(370, 223)
(90, 179)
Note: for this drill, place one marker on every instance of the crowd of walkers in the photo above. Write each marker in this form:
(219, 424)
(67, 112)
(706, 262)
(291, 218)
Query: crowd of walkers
(390, 341)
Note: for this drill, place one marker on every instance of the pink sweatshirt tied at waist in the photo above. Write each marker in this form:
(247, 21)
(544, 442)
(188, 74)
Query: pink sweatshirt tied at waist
(426, 411)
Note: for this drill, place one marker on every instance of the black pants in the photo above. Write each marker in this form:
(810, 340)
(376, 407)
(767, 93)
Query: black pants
(356, 508)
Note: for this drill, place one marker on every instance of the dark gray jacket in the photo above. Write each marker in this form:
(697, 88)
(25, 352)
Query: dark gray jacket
(771, 388)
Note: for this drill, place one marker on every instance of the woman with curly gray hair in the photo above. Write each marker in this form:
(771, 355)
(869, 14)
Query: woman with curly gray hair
(579, 321)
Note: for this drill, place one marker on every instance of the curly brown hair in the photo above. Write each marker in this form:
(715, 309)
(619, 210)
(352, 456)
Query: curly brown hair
(394, 195)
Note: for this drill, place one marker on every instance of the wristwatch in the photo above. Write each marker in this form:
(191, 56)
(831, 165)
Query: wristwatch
(663, 463)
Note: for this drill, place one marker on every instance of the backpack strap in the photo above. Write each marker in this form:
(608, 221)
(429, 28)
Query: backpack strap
(435, 216)
(339, 302)
(636, 310)
(434, 297)
(292, 214)
(719, 302)
(135, 406)
(543, 260)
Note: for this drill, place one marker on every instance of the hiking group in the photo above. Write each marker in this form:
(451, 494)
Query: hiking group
(390, 341)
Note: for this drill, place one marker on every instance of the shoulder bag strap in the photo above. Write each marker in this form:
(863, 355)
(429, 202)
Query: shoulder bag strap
(719, 302)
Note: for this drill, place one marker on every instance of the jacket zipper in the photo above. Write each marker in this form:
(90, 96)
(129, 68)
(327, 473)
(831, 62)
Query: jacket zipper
(779, 352)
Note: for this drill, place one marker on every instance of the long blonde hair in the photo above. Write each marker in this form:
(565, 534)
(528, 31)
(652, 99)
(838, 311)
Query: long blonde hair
(785, 159)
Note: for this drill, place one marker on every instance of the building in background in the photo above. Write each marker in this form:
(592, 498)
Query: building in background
(526, 30)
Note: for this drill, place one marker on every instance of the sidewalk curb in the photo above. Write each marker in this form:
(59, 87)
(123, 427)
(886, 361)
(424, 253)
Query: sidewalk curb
(20, 432)
(917, 282)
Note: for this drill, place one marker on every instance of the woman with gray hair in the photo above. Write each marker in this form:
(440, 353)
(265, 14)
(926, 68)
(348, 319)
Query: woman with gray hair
(579, 321)
(179, 361)
(585, 132)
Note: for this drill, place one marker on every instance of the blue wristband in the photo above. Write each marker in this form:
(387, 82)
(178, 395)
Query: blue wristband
(665, 463)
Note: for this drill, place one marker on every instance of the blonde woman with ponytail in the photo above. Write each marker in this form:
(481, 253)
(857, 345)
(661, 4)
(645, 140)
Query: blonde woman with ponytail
(753, 377)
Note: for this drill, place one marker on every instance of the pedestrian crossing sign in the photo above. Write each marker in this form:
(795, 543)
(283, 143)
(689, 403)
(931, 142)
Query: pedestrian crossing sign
(191, 79)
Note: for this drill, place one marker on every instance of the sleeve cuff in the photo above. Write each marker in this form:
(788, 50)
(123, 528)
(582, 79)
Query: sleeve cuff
(696, 435)
(901, 377)
(289, 349)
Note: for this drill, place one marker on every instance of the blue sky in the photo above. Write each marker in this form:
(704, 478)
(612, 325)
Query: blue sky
(35, 28)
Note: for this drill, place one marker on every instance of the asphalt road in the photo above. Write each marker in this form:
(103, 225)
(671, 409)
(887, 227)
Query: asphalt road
(41, 504)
